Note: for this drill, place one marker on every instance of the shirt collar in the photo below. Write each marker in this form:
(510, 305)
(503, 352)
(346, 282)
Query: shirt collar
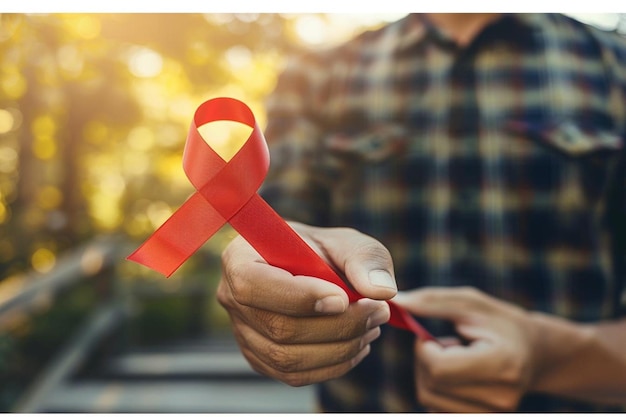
(417, 28)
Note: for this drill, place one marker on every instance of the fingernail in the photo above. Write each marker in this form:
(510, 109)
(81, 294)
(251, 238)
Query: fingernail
(381, 278)
(377, 318)
(332, 304)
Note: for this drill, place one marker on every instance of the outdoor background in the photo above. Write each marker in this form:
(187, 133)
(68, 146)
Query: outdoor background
(94, 112)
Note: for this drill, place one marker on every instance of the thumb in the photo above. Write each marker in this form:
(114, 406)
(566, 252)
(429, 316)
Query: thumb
(365, 262)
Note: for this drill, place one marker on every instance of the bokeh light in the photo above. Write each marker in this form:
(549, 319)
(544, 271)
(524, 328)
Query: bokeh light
(84, 26)
(145, 63)
(311, 29)
(6, 121)
(8, 159)
(43, 260)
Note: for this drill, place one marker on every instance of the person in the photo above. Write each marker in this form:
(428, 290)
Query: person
(471, 168)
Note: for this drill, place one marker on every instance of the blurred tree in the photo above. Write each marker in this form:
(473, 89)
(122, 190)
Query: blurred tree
(94, 110)
(57, 77)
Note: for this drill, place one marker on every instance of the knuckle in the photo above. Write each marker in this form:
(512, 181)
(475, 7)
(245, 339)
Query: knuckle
(437, 373)
(224, 296)
(367, 245)
(470, 291)
(279, 329)
(280, 358)
(512, 372)
(374, 250)
(238, 286)
(350, 329)
(234, 272)
(343, 231)
(344, 351)
(511, 366)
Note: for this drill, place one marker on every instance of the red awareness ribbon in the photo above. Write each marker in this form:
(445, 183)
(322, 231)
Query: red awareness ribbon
(226, 192)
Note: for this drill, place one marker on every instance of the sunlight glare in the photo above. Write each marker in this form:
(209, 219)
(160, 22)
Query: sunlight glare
(238, 57)
(311, 29)
(145, 63)
(225, 137)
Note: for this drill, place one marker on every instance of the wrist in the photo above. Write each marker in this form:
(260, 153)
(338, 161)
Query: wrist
(559, 347)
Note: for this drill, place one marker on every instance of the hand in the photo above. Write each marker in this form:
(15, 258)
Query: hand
(302, 330)
(493, 371)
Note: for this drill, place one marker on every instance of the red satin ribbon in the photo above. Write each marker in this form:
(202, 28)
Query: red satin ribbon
(227, 192)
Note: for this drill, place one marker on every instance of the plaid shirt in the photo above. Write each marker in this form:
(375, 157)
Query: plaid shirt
(497, 165)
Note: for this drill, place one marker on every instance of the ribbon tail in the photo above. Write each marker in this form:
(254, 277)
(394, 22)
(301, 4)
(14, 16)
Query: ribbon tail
(179, 237)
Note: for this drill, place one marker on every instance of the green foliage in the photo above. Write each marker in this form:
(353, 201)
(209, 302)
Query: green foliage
(27, 348)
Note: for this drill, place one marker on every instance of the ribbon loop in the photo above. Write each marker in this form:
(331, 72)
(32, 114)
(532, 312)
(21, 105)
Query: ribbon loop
(226, 191)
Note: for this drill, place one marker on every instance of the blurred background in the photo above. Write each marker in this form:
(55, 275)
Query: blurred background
(94, 112)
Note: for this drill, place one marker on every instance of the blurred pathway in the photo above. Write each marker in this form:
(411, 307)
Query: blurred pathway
(203, 376)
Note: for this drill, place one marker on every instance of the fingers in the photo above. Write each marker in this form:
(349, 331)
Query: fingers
(481, 361)
(455, 379)
(491, 372)
(366, 263)
(298, 379)
(306, 350)
(299, 330)
(457, 304)
(254, 283)
(298, 358)
(359, 317)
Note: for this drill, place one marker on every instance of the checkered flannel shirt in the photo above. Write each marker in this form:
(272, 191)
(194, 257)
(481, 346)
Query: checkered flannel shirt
(498, 165)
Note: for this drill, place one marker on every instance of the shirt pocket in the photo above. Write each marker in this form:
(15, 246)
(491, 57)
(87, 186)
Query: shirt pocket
(374, 145)
(365, 164)
(581, 156)
(571, 139)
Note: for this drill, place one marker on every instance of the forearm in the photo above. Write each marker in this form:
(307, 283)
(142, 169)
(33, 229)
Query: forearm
(584, 362)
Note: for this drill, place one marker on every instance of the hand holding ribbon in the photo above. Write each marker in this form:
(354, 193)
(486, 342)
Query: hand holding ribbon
(227, 192)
